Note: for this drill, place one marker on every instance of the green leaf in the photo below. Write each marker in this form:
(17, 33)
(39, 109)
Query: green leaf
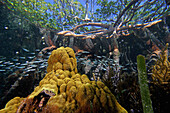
(97, 10)
(144, 89)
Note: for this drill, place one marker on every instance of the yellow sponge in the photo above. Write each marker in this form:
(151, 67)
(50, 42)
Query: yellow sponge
(64, 90)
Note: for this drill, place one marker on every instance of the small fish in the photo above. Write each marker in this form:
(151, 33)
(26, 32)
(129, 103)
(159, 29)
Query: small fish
(22, 58)
(49, 53)
(2, 65)
(34, 66)
(17, 64)
(39, 59)
(99, 57)
(124, 69)
(82, 63)
(2, 70)
(11, 63)
(26, 50)
(25, 75)
(41, 67)
(8, 68)
(82, 59)
(6, 63)
(12, 66)
(2, 58)
(40, 55)
(32, 53)
(15, 60)
(103, 56)
(47, 57)
(37, 62)
(21, 67)
(45, 60)
(85, 52)
(31, 57)
(25, 64)
(44, 64)
(37, 50)
(30, 70)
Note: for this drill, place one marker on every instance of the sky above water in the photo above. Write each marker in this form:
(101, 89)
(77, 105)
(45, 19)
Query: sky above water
(81, 1)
